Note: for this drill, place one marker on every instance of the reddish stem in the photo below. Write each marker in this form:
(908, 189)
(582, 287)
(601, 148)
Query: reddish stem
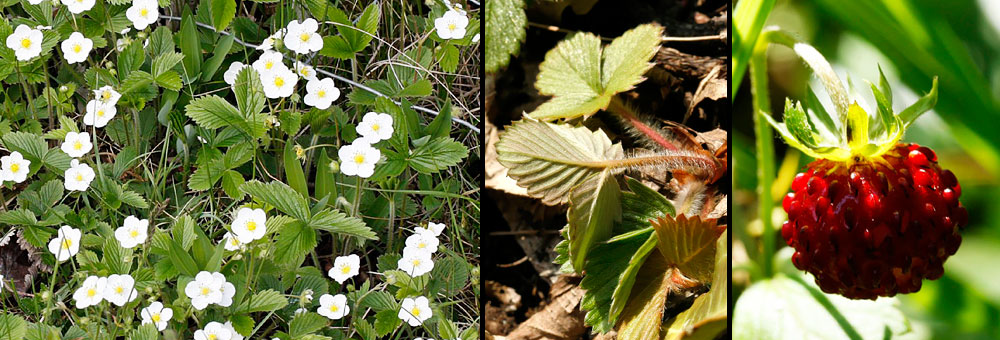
(617, 107)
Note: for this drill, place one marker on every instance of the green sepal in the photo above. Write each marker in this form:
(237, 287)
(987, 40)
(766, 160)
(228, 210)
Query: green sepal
(883, 85)
(922, 105)
(885, 125)
(798, 124)
(829, 130)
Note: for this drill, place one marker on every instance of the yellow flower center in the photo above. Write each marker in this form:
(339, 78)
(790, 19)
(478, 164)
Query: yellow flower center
(279, 81)
(211, 337)
(375, 127)
(100, 113)
(346, 269)
(251, 226)
(304, 37)
(421, 245)
(304, 72)
(156, 317)
(134, 233)
(106, 95)
(416, 263)
(334, 308)
(143, 12)
(415, 311)
(77, 48)
(119, 289)
(451, 27)
(268, 64)
(234, 241)
(204, 291)
(91, 292)
(78, 145)
(321, 93)
(79, 178)
(360, 159)
(26, 42)
(66, 243)
(15, 167)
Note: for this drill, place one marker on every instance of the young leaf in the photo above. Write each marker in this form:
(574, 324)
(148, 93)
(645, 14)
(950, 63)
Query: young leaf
(594, 206)
(643, 313)
(688, 244)
(709, 314)
(550, 159)
(293, 170)
(581, 84)
(507, 23)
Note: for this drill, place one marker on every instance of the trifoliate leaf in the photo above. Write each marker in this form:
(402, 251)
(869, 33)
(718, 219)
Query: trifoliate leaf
(507, 23)
(550, 159)
(582, 78)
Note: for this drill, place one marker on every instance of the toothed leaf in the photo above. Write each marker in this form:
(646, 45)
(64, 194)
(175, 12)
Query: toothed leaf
(922, 105)
(594, 206)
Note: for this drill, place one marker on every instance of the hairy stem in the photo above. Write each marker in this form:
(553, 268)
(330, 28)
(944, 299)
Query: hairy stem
(616, 106)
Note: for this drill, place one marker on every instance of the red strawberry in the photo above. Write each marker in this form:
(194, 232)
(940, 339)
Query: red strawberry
(875, 227)
(871, 216)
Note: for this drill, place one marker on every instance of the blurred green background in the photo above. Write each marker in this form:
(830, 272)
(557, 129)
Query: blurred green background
(913, 41)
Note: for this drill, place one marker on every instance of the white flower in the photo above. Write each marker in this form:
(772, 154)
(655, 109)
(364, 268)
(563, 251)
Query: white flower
(333, 307)
(249, 225)
(475, 38)
(133, 233)
(279, 83)
(233, 71)
(415, 311)
(432, 228)
(99, 114)
(204, 290)
(231, 242)
(213, 331)
(424, 242)
(375, 127)
(126, 30)
(78, 6)
(76, 144)
(91, 292)
(415, 262)
(228, 289)
(121, 44)
(34, 2)
(302, 37)
(26, 42)
(451, 25)
(1, 282)
(268, 62)
(236, 335)
(301, 310)
(107, 95)
(120, 289)
(268, 42)
(321, 93)
(14, 167)
(345, 267)
(305, 71)
(66, 243)
(157, 315)
(143, 13)
(358, 159)
(78, 176)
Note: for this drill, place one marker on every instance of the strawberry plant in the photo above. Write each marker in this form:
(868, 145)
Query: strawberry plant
(232, 170)
(640, 252)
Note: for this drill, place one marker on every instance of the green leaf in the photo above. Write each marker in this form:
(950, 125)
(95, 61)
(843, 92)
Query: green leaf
(133, 199)
(688, 244)
(222, 47)
(306, 323)
(249, 93)
(438, 154)
(336, 47)
(623, 288)
(17, 217)
(924, 104)
(447, 329)
(337, 222)
(231, 182)
(773, 309)
(507, 26)
(243, 324)
(136, 81)
(441, 125)
(161, 42)
(183, 232)
(280, 196)
(12, 326)
(610, 264)
(594, 206)
(31, 146)
(386, 321)
(797, 123)
(223, 12)
(166, 62)
(448, 58)
(213, 112)
(182, 260)
(451, 274)
(359, 37)
(293, 242)
(294, 175)
(708, 315)
(169, 80)
(750, 17)
(380, 301)
(263, 301)
(130, 59)
(145, 332)
(640, 205)
(365, 329)
(419, 88)
(190, 47)
(550, 159)
(581, 84)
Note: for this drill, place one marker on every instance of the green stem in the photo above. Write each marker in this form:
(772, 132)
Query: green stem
(765, 151)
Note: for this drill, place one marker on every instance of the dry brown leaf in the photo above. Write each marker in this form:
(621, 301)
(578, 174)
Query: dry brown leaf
(560, 319)
(496, 173)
